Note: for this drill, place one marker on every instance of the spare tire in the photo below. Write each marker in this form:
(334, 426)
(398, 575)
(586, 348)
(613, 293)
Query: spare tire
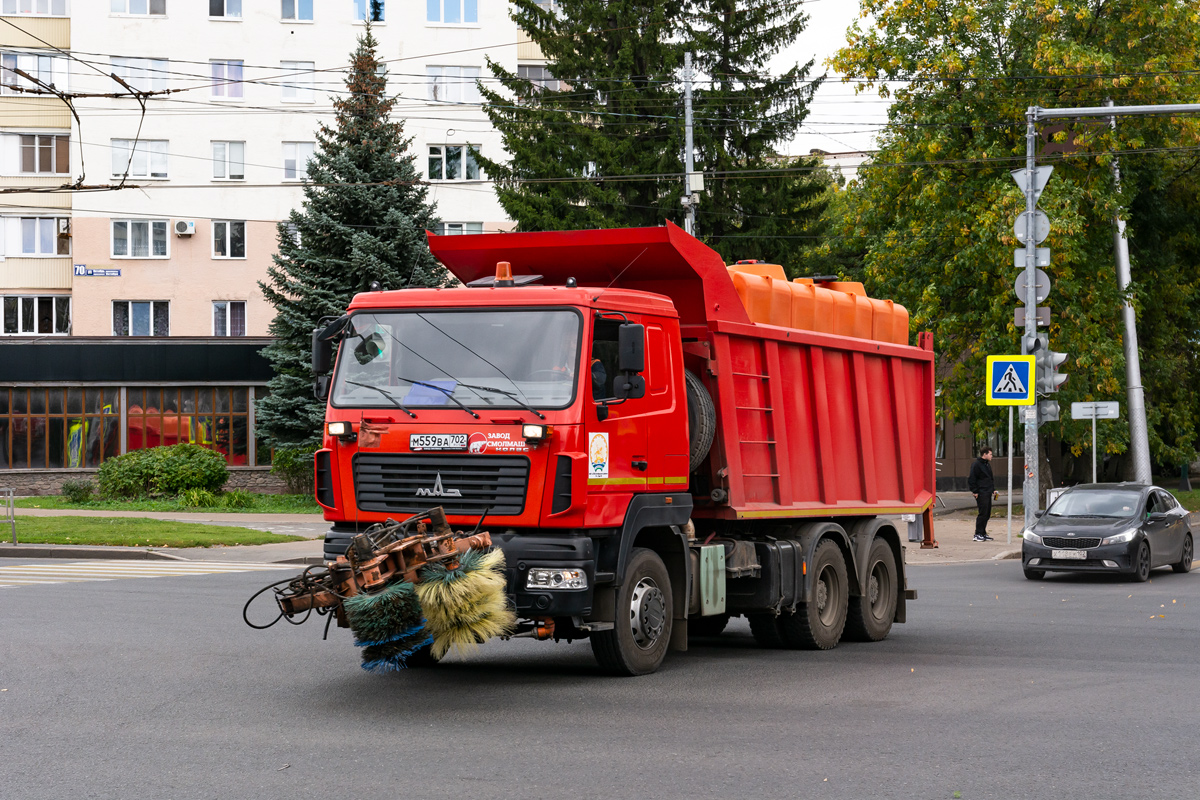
(702, 420)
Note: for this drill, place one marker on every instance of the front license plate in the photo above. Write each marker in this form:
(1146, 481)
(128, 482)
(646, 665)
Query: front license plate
(1069, 554)
(437, 441)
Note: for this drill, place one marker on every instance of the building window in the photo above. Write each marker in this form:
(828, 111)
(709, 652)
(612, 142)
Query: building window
(229, 318)
(297, 81)
(143, 74)
(229, 161)
(452, 12)
(227, 79)
(297, 10)
(47, 69)
(148, 159)
(453, 162)
(139, 238)
(230, 9)
(453, 84)
(139, 8)
(37, 315)
(215, 417)
(295, 159)
(141, 318)
(368, 10)
(38, 236)
(540, 76)
(458, 228)
(43, 154)
(229, 239)
(37, 8)
(56, 428)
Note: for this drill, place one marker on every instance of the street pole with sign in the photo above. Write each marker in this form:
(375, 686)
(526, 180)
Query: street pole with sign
(1108, 409)
(1011, 381)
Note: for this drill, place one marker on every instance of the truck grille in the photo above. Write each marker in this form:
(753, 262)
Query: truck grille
(461, 484)
(1072, 543)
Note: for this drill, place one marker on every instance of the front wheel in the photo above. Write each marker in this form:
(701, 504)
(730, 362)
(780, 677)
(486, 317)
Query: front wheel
(818, 624)
(1141, 564)
(1185, 563)
(638, 641)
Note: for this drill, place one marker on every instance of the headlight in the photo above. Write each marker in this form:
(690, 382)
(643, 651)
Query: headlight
(535, 433)
(555, 578)
(339, 429)
(1122, 537)
(1031, 537)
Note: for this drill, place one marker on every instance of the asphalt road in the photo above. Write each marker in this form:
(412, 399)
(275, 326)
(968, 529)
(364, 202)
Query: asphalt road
(997, 688)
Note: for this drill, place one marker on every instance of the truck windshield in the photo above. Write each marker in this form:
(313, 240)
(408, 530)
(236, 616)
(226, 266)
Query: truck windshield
(501, 359)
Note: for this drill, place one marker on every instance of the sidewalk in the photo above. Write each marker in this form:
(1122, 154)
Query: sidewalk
(953, 532)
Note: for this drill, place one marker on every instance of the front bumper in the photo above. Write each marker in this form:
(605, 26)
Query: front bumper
(1119, 558)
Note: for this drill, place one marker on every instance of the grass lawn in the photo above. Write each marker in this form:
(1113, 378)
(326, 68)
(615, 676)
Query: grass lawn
(135, 532)
(263, 504)
(1189, 500)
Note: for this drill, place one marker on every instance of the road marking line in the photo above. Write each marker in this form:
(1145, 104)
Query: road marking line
(107, 570)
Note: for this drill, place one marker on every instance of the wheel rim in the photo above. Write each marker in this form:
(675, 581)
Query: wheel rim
(1186, 561)
(647, 613)
(879, 590)
(828, 589)
(1144, 561)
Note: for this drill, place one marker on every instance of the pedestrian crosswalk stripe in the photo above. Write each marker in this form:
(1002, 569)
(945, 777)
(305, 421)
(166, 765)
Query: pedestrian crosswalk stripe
(106, 570)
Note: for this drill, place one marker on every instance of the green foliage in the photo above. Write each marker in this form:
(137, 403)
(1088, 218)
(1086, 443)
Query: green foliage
(159, 471)
(364, 218)
(197, 498)
(935, 209)
(237, 498)
(260, 503)
(78, 491)
(295, 466)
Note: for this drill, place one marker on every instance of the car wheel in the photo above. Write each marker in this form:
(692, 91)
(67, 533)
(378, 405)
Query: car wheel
(1141, 564)
(1185, 563)
(1035, 574)
(638, 642)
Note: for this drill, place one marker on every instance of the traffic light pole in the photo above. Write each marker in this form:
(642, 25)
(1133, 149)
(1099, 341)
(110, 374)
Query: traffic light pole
(1030, 486)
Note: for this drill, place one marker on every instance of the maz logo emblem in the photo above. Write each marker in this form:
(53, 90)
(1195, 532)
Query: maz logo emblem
(438, 490)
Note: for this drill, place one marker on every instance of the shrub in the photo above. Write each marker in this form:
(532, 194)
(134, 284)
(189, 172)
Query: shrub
(295, 466)
(162, 471)
(197, 498)
(238, 498)
(78, 491)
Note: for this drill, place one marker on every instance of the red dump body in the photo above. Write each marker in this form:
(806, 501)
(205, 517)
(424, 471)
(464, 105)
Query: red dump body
(808, 423)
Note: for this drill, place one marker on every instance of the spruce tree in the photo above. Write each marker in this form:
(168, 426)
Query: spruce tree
(744, 116)
(616, 113)
(363, 219)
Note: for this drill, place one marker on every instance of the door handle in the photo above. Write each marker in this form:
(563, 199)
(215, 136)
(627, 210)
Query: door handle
(642, 465)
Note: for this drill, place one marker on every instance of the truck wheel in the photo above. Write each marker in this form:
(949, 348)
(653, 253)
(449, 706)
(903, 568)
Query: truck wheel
(702, 420)
(818, 625)
(869, 618)
(638, 641)
(707, 626)
(765, 629)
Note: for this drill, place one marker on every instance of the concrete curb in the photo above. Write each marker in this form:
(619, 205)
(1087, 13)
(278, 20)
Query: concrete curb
(1006, 554)
(83, 553)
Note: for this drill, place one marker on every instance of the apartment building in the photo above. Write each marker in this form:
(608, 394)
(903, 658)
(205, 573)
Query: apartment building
(144, 302)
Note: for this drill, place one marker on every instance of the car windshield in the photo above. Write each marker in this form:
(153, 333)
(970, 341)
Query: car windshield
(1092, 503)
(503, 359)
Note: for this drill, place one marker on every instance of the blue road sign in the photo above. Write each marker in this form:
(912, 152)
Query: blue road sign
(1010, 380)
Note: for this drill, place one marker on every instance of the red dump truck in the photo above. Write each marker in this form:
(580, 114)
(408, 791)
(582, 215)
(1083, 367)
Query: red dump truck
(655, 440)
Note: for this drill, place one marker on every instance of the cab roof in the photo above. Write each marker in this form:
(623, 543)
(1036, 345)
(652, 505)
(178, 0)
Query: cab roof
(490, 297)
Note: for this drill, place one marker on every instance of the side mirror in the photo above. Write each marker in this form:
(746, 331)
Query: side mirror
(1038, 514)
(322, 352)
(321, 388)
(629, 387)
(369, 349)
(631, 347)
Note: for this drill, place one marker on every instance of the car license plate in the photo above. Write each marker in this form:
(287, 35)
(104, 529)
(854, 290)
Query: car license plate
(437, 441)
(1069, 554)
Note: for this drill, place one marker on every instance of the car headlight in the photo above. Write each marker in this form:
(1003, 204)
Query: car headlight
(1122, 537)
(1031, 537)
(555, 578)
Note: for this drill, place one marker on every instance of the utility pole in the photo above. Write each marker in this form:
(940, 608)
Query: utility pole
(1029, 486)
(689, 197)
(1139, 440)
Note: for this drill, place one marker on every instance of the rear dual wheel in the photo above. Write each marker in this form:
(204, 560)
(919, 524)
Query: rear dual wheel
(816, 625)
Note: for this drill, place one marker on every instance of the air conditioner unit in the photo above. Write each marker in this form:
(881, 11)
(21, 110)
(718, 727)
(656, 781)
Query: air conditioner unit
(185, 227)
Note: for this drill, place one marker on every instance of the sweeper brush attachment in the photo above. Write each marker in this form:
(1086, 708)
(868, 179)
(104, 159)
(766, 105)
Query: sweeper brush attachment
(405, 589)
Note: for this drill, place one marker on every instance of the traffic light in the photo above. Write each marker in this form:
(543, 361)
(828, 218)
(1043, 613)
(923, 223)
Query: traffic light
(1048, 362)
(1047, 411)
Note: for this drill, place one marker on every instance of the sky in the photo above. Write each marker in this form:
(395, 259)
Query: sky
(838, 121)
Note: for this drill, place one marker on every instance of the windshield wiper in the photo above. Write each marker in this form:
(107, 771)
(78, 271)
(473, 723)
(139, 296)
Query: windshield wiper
(509, 395)
(386, 394)
(448, 392)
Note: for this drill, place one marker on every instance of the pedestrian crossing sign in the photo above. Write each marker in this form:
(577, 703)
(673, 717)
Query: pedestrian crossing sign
(1010, 381)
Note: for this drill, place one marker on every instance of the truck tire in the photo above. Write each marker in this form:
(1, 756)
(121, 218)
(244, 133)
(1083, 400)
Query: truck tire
(707, 626)
(702, 420)
(642, 631)
(869, 617)
(765, 629)
(818, 625)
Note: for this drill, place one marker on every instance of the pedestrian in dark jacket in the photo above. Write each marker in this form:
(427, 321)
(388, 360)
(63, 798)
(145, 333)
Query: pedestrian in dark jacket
(982, 485)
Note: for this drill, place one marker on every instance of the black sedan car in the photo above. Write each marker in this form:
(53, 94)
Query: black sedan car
(1123, 527)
